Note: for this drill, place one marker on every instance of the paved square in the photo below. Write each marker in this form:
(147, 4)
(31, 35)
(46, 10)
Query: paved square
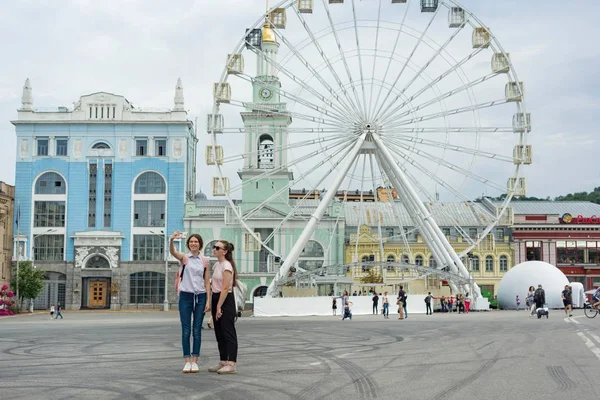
(493, 355)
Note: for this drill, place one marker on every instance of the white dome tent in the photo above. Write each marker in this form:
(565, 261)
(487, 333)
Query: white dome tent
(531, 273)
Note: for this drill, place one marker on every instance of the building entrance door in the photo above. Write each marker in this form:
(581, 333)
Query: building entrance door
(98, 293)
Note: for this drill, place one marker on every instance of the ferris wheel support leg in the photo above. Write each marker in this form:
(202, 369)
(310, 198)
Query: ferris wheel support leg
(413, 206)
(438, 253)
(306, 234)
(400, 180)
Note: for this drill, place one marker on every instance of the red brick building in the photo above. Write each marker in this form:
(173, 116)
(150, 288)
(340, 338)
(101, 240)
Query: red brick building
(562, 233)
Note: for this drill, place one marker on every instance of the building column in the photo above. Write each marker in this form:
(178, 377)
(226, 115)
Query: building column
(150, 148)
(51, 146)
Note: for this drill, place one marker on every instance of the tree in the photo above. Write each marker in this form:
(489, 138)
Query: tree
(371, 276)
(31, 281)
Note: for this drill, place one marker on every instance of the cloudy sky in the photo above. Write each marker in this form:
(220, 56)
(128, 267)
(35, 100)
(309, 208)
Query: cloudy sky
(139, 48)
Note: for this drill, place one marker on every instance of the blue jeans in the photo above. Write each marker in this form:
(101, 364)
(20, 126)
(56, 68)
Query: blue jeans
(386, 309)
(191, 304)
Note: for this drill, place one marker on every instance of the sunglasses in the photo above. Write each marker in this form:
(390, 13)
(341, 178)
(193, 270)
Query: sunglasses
(218, 248)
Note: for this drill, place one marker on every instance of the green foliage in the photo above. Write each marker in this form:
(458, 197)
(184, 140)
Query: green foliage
(31, 280)
(371, 276)
(593, 196)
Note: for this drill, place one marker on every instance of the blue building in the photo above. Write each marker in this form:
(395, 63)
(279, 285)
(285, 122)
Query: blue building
(98, 188)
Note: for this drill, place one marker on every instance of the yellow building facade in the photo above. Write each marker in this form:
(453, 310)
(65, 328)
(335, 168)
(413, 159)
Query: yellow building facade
(488, 261)
(7, 206)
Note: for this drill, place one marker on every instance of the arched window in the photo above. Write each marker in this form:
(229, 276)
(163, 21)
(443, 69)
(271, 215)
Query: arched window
(146, 288)
(150, 183)
(50, 183)
(260, 291)
(432, 262)
(208, 250)
(312, 256)
(149, 212)
(265, 152)
(97, 262)
(475, 263)
(503, 263)
(489, 264)
(101, 145)
(405, 259)
(419, 260)
(365, 260)
(390, 259)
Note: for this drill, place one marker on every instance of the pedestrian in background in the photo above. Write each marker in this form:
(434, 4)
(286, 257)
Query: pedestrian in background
(403, 296)
(58, 311)
(334, 306)
(539, 297)
(193, 285)
(375, 303)
(386, 306)
(467, 303)
(567, 296)
(531, 300)
(428, 304)
(224, 310)
(51, 310)
(518, 301)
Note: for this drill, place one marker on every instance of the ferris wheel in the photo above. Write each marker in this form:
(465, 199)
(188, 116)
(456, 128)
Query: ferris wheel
(362, 105)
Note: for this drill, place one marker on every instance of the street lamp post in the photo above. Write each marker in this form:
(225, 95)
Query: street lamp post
(166, 252)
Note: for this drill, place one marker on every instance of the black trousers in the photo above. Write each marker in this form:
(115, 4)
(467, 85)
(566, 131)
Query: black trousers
(225, 327)
(428, 308)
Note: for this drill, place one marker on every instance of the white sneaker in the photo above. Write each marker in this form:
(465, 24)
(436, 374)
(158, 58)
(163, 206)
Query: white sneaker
(187, 368)
(194, 368)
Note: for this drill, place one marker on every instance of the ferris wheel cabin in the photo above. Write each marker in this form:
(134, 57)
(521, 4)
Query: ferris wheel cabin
(514, 91)
(305, 6)
(456, 17)
(501, 63)
(481, 38)
(235, 64)
(220, 186)
(522, 122)
(522, 154)
(214, 155)
(222, 92)
(429, 5)
(215, 123)
(278, 18)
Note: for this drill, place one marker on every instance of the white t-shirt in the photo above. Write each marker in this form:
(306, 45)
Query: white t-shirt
(193, 276)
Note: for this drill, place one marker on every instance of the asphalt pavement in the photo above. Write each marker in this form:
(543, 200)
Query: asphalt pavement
(485, 355)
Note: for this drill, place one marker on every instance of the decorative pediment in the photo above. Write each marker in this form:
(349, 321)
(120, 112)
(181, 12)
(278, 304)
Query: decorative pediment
(365, 235)
(97, 238)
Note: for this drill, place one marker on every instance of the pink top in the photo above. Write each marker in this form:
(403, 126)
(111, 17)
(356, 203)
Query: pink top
(217, 278)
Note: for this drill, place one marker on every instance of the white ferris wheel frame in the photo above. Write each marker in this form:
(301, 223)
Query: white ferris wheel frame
(370, 138)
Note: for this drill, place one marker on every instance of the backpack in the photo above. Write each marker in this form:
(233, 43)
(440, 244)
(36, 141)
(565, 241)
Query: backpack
(239, 292)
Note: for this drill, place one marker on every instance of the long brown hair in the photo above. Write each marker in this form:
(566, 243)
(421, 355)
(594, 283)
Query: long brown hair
(229, 257)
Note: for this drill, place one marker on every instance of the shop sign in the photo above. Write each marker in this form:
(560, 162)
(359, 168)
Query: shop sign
(580, 219)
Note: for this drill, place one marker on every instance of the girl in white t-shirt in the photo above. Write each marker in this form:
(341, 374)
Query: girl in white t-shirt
(192, 285)
(52, 310)
(223, 308)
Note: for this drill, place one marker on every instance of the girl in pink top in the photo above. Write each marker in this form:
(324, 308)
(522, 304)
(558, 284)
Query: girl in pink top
(223, 308)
